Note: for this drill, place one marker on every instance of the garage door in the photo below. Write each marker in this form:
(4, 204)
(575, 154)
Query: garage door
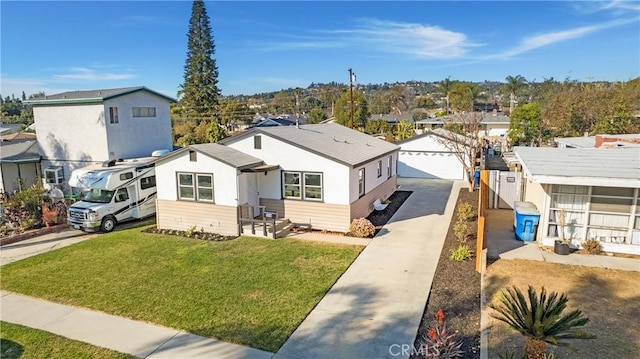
(429, 165)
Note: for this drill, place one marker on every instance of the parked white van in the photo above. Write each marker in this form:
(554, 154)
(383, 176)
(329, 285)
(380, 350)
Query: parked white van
(114, 192)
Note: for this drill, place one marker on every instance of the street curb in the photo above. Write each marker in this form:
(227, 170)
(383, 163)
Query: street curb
(34, 233)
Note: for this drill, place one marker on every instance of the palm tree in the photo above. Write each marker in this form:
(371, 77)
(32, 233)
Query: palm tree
(513, 85)
(539, 319)
(445, 86)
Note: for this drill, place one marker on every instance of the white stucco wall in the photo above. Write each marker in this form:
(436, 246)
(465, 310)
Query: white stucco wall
(138, 136)
(292, 158)
(426, 157)
(225, 190)
(371, 179)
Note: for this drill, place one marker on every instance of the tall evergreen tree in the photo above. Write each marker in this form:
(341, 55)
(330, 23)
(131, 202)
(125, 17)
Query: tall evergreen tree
(199, 93)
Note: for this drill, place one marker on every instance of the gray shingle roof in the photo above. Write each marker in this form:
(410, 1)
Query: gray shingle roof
(594, 163)
(227, 155)
(19, 151)
(92, 95)
(330, 140)
(487, 119)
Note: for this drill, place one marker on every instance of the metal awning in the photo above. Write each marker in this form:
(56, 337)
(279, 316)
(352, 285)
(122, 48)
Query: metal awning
(261, 168)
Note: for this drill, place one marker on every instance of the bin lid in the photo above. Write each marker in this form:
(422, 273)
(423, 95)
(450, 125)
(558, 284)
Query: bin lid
(525, 208)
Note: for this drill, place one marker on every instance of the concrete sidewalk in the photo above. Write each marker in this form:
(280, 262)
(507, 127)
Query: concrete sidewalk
(375, 308)
(120, 334)
(41, 244)
(502, 244)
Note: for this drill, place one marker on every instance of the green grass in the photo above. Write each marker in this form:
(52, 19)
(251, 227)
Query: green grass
(250, 291)
(22, 342)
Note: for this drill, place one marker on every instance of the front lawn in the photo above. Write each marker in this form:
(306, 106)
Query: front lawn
(249, 291)
(22, 342)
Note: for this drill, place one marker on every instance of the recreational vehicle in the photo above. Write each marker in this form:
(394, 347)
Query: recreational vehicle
(113, 192)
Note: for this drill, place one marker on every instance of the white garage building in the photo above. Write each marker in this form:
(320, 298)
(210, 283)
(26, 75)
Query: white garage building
(427, 156)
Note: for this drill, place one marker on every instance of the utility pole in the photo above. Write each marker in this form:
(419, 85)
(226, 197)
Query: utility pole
(352, 77)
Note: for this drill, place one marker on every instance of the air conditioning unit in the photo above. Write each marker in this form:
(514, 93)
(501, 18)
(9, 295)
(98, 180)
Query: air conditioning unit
(270, 214)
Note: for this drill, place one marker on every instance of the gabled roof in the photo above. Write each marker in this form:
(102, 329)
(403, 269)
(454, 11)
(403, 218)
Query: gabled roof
(585, 166)
(224, 154)
(92, 96)
(330, 140)
(439, 132)
(19, 151)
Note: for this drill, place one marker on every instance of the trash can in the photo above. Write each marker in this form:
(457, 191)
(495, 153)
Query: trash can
(526, 219)
(476, 178)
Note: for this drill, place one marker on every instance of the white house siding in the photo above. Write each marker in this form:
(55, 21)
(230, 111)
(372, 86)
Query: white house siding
(225, 190)
(269, 185)
(137, 136)
(372, 181)
(292, 158)
(207, 217)
(9, 174)
(426, 157)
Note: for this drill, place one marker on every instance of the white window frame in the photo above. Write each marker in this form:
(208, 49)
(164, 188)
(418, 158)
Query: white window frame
(284, 185)
(379, 168)
(58, 175)
(137, 112)
(200, 186)
(192, 186)
(389, 169)
(113, 115)
(305, 186)
(195, 186)
(361, 182)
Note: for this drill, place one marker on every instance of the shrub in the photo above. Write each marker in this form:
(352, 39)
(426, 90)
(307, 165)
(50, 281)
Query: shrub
(440, 343)
(461, 230)
(362, 228)
(465, 211)
(190, 231)
(461, 253)
(592, 246)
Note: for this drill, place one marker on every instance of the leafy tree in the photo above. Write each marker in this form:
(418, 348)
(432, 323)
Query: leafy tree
(199, 93)
(215, 132)
(234, 113)
(399, 97)
(512, 87)
(378, 126)
(360, 109)
(403, 130)
(329, 94)
(539, 319)
(424, 102)
(316, 115)
(380, 103)
(283, 102)
(462, 95)
(445, 87)
(309, 103)
(525, 125)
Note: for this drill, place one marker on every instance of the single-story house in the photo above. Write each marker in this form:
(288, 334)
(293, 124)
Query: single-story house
(599, 190)
(599, 141)
(493, 124)
(322, 175)
(19, 164)
(428, 156)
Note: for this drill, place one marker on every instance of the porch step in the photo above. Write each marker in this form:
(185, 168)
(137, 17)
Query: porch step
(283, 227)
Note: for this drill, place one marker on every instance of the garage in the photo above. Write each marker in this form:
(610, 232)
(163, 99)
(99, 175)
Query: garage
(427, 156)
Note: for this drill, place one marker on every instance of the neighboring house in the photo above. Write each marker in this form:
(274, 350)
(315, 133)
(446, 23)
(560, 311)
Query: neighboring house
(271, 122)
(491, 124)
(394, 118)
(599, 141)
(322, 175)
(599, 190)
(19, 164)
(427, 156)
(79, 128)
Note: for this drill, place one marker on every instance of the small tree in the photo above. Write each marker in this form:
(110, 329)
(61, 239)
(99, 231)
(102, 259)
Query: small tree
(465, 147)
(539, 319)
(316, 115)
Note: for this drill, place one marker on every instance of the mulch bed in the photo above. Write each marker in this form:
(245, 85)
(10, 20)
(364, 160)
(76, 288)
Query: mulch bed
(190, 234)
(456, 289)
(380, 218)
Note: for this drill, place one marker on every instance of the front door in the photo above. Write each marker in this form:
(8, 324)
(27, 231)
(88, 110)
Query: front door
(253, 197)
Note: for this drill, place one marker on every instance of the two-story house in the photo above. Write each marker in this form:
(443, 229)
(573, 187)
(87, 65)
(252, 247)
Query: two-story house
(78, 128)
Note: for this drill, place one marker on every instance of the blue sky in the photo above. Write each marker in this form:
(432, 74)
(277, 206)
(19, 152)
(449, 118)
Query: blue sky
(57, 46)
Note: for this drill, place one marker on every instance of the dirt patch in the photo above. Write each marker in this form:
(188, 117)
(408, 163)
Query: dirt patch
(380, 218)
(190, 234)
(456, 289)
(609, 298)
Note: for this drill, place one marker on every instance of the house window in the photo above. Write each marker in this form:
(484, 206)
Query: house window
(302, 185)
(126, 176)
(147, 182)
(291, 186)
(361, 182)
(379, 169)
(54, 175)
(257, 142)
(195, 187)
(193, 156)
(313, 186)
(143, 111)
(389, 170)
(113, 114)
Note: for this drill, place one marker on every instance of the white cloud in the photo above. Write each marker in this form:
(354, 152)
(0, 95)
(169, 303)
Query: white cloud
(625, 5)
(15, 86)
(535, 42)
(87, 74)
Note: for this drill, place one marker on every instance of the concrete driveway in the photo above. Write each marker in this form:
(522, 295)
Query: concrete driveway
(375, 308)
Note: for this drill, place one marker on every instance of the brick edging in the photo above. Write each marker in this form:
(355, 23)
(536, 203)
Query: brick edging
(30, 234)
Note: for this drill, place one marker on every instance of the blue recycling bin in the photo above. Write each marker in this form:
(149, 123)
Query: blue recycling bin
(526, 219)
(476, 178)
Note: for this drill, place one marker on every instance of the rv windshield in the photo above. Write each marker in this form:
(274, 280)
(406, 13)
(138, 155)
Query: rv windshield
(98, 196)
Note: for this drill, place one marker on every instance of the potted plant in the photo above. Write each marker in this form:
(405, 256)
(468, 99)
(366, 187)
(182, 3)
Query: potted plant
(562, 246)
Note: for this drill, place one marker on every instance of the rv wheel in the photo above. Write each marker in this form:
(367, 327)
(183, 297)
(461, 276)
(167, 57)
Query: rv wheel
(108, 224)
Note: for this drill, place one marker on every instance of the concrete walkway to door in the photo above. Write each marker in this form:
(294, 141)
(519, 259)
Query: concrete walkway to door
(375, 308)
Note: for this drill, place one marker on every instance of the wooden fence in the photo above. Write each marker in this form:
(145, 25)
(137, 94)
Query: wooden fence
(483, 205)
